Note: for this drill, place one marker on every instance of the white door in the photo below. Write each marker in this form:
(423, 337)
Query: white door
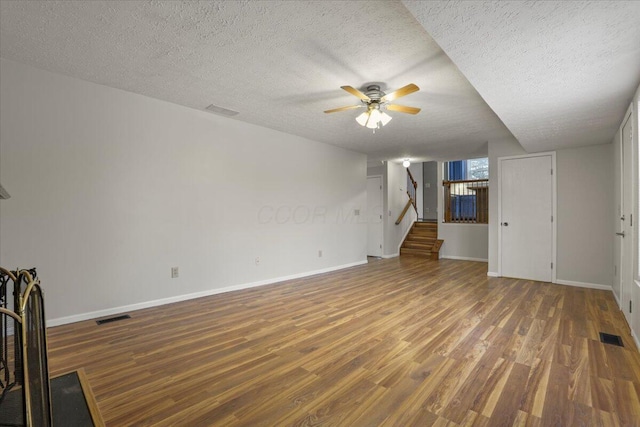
(525, 216)
(625, 233)
(617, 246)
(374, 216)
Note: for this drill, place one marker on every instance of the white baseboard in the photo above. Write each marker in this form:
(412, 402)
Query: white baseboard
(391, 255)
(635, 338)
(154, 303)
(463, 258)
(616, 298)
(492, 274)
(584, 285)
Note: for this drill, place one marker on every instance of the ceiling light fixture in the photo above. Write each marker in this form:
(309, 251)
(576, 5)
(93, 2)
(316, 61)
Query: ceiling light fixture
(373, 117)
(376, 102)
(406, 163)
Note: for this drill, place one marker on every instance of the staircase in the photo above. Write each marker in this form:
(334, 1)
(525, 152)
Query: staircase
(422, 240)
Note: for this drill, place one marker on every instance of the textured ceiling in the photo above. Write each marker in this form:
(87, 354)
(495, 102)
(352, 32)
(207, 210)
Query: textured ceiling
(558, 74)
(280, 64)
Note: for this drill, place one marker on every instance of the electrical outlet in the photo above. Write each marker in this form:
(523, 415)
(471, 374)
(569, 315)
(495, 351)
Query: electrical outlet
(174, 272)
(257, 260)
(320, 253)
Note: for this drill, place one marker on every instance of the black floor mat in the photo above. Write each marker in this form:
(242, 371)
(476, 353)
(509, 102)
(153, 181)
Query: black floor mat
(68, 404)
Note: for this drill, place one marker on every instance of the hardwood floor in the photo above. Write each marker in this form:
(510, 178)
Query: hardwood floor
(399, 342)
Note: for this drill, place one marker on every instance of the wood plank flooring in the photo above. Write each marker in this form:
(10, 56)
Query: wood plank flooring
(399, 342)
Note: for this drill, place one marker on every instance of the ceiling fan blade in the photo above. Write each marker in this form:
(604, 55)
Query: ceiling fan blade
(403, 109)
(356, 92)
(403, 91)
(350, 107)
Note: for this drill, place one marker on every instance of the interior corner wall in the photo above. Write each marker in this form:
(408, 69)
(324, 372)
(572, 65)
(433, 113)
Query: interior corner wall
(395, 194)
(585, 200)
(111, 189)
(431, 185)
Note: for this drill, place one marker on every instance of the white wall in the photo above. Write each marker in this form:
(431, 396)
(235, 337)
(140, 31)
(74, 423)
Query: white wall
(111, 189)
(375, 170)
(430, 194)
(464, 241)
(396, 198)
(585, 201)
(461, 241)
(585, 198)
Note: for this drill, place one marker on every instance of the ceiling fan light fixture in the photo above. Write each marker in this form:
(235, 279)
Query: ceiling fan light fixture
(374, 119)
(371, 124)
(406, 163)
(362, 118)
(375, 100)
(375, 115)
(385, 118)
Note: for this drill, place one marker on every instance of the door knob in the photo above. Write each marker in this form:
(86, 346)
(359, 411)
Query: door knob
(620, 234)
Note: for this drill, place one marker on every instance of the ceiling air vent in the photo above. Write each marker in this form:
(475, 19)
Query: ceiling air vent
(222, 111)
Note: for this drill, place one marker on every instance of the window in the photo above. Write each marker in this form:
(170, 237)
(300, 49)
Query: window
(466, 191)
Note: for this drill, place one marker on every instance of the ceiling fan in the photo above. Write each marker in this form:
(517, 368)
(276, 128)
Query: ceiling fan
(376, 101)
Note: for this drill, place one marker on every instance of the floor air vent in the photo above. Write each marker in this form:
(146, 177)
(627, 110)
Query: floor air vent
(113, 319)
(611, 339)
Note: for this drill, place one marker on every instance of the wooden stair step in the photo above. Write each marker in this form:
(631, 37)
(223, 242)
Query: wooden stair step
(416, 245)
(421, 237)
(420, 230)
(435, 250)
(424, 230)
(422, 240)
(421, 252)
(426, 225)
(429, 242)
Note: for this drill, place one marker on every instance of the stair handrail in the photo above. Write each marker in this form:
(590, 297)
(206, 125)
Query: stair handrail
(404, 211)
(412, 190)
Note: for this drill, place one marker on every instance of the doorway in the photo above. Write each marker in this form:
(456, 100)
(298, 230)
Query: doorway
(526, 232)
(623, 246)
